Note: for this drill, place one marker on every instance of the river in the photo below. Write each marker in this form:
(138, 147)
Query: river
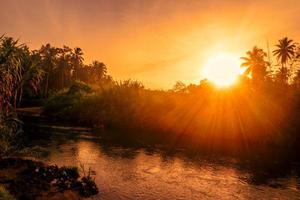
(154, 172)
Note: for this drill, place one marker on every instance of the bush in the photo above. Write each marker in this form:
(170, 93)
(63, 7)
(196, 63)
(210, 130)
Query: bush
(60, 105)
(5, 195)
(34, 179)
(10, 133)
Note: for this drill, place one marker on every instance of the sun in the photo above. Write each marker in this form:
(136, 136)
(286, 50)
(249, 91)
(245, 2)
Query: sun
(222, 69)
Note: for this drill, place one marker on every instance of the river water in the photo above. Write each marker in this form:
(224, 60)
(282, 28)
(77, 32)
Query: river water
(153, 172)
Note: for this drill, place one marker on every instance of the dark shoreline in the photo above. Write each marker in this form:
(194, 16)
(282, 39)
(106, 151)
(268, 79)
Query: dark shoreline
(28, 179)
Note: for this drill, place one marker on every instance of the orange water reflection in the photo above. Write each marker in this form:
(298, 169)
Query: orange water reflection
(126, 173)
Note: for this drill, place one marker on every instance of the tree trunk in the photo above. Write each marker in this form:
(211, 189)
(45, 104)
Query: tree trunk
(46, 85)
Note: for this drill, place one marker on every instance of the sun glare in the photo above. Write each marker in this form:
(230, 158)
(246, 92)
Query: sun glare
(222, 69)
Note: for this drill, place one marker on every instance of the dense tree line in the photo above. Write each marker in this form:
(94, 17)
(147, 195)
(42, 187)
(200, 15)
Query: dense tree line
(31, 73)
(26, 73)
(64, 65)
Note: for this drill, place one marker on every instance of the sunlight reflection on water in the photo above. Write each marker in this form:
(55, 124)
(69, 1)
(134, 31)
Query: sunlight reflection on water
(127, 173)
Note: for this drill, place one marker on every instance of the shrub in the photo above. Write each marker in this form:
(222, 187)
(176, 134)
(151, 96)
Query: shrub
(10, 133)
(4, 194)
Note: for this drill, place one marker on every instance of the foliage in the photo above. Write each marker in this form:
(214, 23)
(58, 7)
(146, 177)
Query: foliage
(18, 69)
(256, 64)
(34, 179)
(79, 87)
(285, 50)
(10, 133)
(88, 186)
(196, 114)
(64, 65)
(4, 194)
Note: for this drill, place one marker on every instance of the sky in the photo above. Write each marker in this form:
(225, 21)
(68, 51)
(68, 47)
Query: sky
(157, 42)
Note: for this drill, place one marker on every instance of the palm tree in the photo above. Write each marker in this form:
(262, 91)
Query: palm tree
(98, 72)
(64, 65)
(17, 69)
(256, 64)
(32, 73)
(49, 62)
(284, 53)
(77, 60)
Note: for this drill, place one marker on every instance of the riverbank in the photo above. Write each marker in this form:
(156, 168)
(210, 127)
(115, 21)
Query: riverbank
(28, 179)
(37, 122)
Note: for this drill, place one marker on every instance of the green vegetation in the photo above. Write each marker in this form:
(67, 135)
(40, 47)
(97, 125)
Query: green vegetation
(4, 194)
(22, 75)
(10, 134)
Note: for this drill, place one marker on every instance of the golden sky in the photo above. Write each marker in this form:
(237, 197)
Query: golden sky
(155, 41)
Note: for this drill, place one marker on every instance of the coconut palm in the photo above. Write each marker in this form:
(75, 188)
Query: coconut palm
(285, 51)
(64, 65)
(77, 61)
(49, 63)
(98, 71)
(255, 64)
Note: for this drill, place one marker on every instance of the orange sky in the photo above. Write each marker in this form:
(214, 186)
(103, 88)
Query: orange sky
(155, 41)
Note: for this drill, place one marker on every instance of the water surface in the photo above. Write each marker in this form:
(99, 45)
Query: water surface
(153, 172)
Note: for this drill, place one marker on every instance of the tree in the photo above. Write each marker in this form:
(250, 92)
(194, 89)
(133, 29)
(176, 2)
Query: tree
(297, 79)
(98, 72)
(17, 69)
(49, 62)
(256, 66)
(77, 61)
(31, 73)
(64, 66)
(179, 87)
(284, 53)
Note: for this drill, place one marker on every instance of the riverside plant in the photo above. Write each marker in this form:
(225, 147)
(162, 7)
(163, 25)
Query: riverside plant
(10, 132)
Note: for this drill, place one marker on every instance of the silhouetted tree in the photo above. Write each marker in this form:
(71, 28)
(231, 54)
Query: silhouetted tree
(98, 72)
(284, 53)
(296, 80)
(256, 65)
(179, 87)
(64, 66)
(77, 61)
(49, 62)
